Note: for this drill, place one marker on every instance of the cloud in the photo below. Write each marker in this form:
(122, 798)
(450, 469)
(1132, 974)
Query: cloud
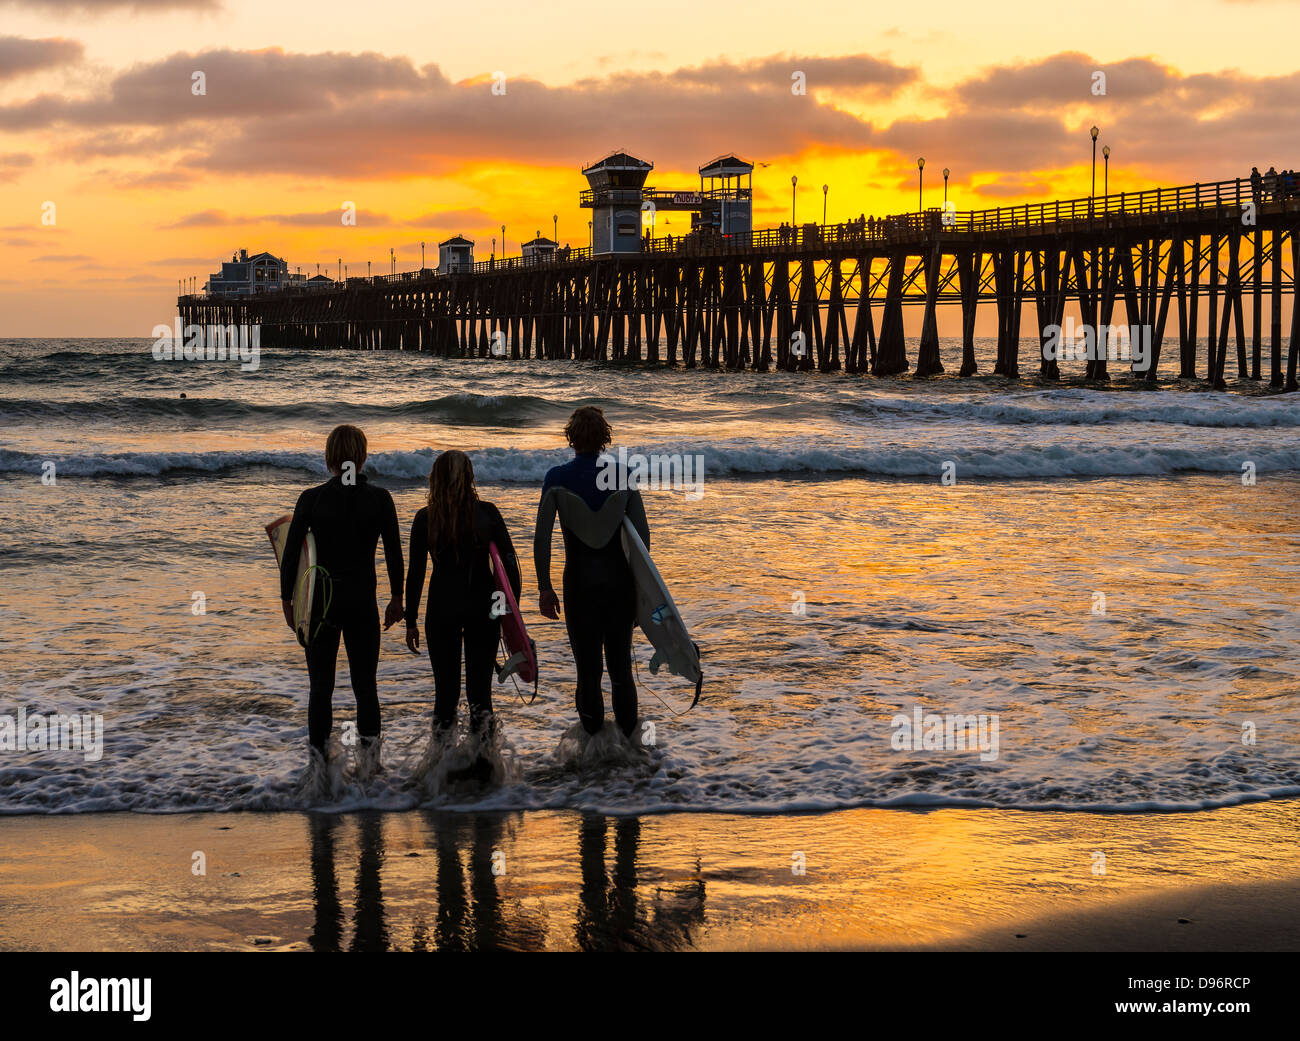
(20, 55)
(371, 115)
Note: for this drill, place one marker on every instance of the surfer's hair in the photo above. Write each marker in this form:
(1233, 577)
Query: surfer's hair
(453, 500)
(588, 430)
(346, 444)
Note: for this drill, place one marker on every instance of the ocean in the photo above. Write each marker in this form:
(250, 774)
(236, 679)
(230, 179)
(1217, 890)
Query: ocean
(1106, 577)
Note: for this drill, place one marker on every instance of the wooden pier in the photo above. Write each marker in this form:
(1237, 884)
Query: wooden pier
(1193, 257)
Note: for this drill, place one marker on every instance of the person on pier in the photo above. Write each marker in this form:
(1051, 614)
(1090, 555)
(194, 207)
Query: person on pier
(347, 515)
(599, 591)
(454, 530)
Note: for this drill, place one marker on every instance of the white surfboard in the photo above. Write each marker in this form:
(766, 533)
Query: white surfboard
(658, 616)
(304, 586)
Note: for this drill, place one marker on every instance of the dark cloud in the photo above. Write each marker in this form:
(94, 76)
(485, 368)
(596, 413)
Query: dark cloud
(20, 55)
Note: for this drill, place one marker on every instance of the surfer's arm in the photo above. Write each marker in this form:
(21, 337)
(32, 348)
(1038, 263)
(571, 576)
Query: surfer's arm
(636, 514)
(297, 532)
(392, 536)
(415, 570)
(542, 532)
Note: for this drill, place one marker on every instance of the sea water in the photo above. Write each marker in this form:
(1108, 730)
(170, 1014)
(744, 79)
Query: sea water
(1107, 578)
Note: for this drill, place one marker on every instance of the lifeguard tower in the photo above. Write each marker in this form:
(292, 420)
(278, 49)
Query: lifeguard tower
(456, 254)
(614, 199)
(727, 189)
(538, 250)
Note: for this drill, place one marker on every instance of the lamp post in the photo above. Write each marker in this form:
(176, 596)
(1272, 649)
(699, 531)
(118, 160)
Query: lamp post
(825, 191)
(591, 237)
(421, 256)
(1105, 157)
(945, 187)
(340, 269)
(1094, 131)
(494, 247)
(920, 185)
(392, 261)
(368, 274)
(503, 241)
(794, 181)
(555, 228)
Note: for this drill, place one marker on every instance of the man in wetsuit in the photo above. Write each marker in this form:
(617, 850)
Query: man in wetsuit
(348, 516)
(599, 592)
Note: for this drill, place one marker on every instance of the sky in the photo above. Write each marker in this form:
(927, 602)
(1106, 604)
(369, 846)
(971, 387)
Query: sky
(143, 141)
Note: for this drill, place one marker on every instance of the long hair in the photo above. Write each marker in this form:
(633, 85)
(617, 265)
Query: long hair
(453, 500)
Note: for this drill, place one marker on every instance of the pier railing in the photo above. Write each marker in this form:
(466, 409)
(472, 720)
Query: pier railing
(1084, 213)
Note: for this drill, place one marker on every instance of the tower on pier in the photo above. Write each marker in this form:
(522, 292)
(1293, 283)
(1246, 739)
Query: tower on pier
(614, 199)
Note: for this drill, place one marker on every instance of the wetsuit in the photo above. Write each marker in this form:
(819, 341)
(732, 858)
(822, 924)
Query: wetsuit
(347, 520)
(599, 592)
(461, 591)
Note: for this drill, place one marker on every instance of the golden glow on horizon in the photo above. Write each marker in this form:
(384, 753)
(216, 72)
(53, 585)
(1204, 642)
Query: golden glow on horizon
(126, 214)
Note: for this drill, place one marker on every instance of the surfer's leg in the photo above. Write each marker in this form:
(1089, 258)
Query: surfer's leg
(618, 660)
(321, 655)
(442, 638)
(585, 639)
(361, 639)
(481, 640)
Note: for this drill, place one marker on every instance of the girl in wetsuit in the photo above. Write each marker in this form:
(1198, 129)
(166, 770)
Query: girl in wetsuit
(599, 591)
(348, 516)
(454, 530)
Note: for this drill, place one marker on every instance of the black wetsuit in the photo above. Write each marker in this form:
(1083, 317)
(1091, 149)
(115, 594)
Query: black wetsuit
(599, 591)
(459, 611)
(348, 521)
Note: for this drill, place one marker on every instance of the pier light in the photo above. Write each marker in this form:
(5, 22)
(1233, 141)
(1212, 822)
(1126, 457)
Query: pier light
(340, 269)
(825, 191)
(794, 181)
(555, 228)
(1094, 132)
(920, 183)
(946, 171)
(421, 256)
(591, 242)
(503, 240)
(1105, 158)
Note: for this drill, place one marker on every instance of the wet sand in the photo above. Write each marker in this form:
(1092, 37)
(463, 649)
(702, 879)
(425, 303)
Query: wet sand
(953, 879)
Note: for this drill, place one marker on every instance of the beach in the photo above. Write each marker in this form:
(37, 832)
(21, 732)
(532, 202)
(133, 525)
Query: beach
(949, 879)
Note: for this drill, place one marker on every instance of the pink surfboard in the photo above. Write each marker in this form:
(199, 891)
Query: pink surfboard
(521, 654)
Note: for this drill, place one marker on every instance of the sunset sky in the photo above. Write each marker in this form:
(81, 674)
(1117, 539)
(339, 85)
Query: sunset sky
(389, 104)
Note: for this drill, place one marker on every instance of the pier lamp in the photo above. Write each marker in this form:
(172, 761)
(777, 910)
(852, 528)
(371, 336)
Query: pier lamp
(920, 184)
(794, 181)
(340, 269)
(392, 261)
(421, 256)
(555, 228)
(503, 240)
(494, 247)
(946, 171)
(591, 238)
(1094, 132)
(1105, 158)
(368, 274)
(825, 191)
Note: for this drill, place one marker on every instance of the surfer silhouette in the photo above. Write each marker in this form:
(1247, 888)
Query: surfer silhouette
(454, 530)
(599, 589)
(347, 516)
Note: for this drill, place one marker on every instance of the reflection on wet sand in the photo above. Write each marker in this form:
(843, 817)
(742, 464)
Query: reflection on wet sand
(475, 909)
(609, 918)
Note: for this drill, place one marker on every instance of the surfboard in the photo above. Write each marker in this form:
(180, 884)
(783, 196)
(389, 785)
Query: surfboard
(304, 586)
(658, 616)
(521, 652)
